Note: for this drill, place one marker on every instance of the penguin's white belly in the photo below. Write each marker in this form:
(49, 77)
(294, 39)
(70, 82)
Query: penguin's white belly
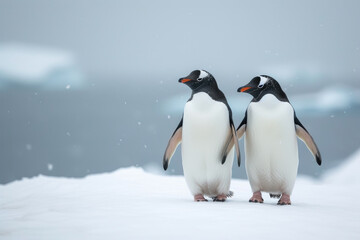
(271, 151)
(205, 129)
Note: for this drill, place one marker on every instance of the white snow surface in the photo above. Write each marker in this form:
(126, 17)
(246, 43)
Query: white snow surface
(133, 204)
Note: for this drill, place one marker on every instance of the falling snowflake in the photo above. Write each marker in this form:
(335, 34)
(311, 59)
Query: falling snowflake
(68, 86)
(50, 166)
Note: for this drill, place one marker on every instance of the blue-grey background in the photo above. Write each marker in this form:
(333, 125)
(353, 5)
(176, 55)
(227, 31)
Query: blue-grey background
(113, 100)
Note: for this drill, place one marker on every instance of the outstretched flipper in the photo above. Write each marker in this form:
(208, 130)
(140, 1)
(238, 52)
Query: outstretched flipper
(242, 127)
(230, 142)
(174, 142)
(305, 136)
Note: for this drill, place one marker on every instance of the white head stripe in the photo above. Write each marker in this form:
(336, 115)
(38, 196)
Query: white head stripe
(263, 80)
(203, 74)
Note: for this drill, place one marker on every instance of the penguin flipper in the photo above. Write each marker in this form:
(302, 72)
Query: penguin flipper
(230, 142)
(240, 132)
(174, 142)
(236, 143)
(242, 127)
(305, 136)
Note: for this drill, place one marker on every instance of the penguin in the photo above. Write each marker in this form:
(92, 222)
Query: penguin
(207, 136)
(271, 126)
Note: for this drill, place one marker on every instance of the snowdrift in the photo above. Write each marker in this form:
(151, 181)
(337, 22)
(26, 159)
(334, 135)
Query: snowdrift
(133, 204)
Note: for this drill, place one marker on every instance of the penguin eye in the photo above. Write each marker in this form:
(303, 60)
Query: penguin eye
(261, 86)
(199, 79)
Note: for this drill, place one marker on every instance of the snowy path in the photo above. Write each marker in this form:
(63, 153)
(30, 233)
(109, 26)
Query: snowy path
(132, 204)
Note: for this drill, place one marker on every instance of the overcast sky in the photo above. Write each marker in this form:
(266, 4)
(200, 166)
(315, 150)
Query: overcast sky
(314, 39)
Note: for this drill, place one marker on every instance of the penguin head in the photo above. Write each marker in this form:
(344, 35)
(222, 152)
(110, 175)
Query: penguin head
(198, 79)
(261, 85)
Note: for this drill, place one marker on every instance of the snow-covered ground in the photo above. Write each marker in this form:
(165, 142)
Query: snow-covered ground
(133, 204)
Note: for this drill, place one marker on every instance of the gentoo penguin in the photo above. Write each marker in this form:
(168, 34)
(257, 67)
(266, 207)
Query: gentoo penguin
(207, 136)
(271, 151)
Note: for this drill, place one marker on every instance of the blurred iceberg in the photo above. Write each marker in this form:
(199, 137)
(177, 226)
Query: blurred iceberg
(331, 99)
(308, 74)
(327, 100)
(27, 65)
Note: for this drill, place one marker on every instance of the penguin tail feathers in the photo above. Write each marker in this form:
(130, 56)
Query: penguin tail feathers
(229, 195)
(272, 195)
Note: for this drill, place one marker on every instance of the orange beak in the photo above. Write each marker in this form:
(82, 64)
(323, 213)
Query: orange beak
(185, 80)
(244, 89)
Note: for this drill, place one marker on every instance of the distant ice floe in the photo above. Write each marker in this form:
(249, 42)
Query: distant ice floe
(328, 100)
(331, 99)
(27, 65)
(308, 74)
